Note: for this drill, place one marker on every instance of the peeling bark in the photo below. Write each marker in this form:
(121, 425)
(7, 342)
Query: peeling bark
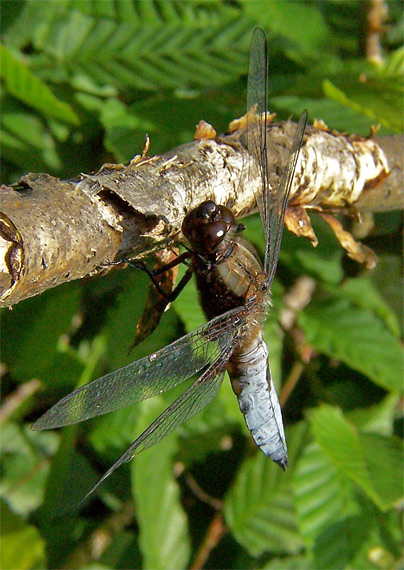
(54, 231)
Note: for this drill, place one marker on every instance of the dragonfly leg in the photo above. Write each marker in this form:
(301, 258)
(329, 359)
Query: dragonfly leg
(153, 273)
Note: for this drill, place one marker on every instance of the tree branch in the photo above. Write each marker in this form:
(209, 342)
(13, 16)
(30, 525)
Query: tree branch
(54, 231)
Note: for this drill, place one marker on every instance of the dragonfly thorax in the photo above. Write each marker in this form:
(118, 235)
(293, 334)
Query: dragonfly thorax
(207, 226)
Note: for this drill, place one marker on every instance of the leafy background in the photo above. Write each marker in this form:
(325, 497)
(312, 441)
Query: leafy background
(82, 82)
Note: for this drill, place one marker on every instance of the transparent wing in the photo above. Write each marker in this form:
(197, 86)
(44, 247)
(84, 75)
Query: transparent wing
(277, 201)
(257, 114)
(148, 376)
(271, 202)
(191, 402)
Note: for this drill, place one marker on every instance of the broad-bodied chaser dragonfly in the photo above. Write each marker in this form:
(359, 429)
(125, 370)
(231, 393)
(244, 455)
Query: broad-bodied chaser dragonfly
(234, 291)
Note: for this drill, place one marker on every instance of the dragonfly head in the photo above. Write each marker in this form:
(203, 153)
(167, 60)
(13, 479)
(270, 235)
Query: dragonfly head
(206, 226)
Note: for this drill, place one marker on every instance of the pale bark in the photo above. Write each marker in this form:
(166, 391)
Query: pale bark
(54, 231)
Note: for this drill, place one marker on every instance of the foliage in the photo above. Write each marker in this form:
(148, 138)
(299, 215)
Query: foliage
(83, 82)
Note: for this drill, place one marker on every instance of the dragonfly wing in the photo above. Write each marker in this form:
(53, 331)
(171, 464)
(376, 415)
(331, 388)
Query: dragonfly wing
(278, 200)
(192, 401)
(146, 377)
(271, 202)
(257, 114)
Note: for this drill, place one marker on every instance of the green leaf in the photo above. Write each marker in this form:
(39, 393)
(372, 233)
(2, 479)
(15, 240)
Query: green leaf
(208, 431)
(393, 66)
(158, 114)
(26, 128)
(323, 493)
(322, 262)
(281, 17)
(148, 54)
(351, 454)
(97, 566)
(29, 89)
(329, 505)
(120, 326)
(70, 475)
(164, 540)
(120, 124)
(112, 433)
(24, 471)
(380, 99)
(337, 545)
(348, 95)
(22, 545)
(299, 562)
(123, 551)
(384, 459)
(187, 304)
(379, 418)
(363, 293)
(334, 114)
(260, 509)
(26, 139)
(388, 277)
(31, 22)
(30, 334)
(357, 337)
(366, 540)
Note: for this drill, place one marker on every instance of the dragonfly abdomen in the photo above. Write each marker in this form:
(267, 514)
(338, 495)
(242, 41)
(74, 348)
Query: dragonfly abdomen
(252, 383)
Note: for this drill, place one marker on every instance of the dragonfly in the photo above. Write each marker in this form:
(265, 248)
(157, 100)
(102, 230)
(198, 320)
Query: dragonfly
(234, 291)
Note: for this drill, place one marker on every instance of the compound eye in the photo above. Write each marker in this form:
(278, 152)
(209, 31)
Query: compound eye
(207, 225)
(206, 238)
(198, 217)
(226, 215)
(207, 208)
(216, 232)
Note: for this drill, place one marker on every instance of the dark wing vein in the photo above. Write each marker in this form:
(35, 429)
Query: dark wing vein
(271, 201)
(146, 377)
(191, 402)
(277, 204)
(257, 113)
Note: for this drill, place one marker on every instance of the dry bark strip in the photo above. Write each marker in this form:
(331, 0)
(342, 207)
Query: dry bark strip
(54, 231)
